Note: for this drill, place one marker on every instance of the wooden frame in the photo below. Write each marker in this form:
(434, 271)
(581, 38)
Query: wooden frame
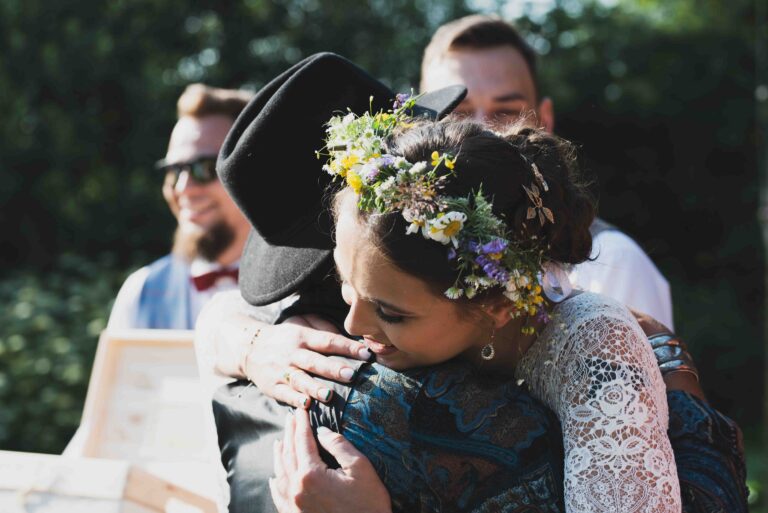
(145, 405)
(49, 483)
(144, 398)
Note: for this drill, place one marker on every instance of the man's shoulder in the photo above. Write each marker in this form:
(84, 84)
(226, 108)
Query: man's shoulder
(166, 262)
(615, 245)
(160, 268)
(621, 269)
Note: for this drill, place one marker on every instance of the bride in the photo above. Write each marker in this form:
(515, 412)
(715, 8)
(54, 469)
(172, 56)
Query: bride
(452, 242)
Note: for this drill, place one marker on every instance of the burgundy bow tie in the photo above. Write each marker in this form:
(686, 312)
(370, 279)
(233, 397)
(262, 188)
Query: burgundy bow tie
(208, 280)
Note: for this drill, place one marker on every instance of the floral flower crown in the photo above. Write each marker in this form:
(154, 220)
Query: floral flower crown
(478, 242)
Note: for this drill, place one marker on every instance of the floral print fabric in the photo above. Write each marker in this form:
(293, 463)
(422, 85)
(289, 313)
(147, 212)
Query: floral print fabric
(449, 439)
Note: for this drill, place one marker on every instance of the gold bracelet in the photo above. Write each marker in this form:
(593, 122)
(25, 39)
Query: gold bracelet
(251, 343)
(255, 336)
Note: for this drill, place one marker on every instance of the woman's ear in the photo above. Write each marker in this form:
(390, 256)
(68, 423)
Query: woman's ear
(499, 311)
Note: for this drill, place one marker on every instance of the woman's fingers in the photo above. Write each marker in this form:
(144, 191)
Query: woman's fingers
(288, 447)
(321, 365)
(307, 455)
(330, 343)
(277, 458)
(286, 394)
(341, 449)
(302, 383)
(278, 496)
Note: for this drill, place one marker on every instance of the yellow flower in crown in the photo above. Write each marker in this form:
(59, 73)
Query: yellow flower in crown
(446, 227)
(450, 163)
(354, 181)
(349, 160)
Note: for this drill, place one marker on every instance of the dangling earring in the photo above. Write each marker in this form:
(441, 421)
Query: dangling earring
(488, 352)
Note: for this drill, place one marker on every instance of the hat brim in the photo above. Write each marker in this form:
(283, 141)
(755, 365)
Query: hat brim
(270, 273)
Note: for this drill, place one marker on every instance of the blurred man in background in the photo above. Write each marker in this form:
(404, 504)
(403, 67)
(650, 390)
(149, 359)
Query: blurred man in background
(498, 67)
(170, 292)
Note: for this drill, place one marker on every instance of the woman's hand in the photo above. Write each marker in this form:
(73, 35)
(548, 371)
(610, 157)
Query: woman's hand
(684, 381)
(276, 358)
(281, 355)
(304, 484)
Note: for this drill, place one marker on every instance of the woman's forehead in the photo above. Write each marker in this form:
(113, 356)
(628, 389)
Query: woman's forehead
(366, 268)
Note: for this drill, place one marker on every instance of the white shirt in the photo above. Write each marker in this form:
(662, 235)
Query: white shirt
(125, 310)
(624, 272)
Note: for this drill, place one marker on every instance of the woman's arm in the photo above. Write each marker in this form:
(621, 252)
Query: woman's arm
(614, 417)
(708, 447)
(595, 369)
(681, 379)
(239, 342)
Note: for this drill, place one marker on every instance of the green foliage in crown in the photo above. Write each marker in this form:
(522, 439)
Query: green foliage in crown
(478, 242)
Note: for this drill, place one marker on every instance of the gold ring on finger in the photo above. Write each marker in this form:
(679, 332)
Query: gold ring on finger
(287, 377)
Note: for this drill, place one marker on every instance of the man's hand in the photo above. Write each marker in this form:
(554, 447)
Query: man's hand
(304, 484)
(281, 356)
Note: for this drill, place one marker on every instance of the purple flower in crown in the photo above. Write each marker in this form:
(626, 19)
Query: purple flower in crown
(473, 246)
(400, 99)
(452, 254)
(371, 172)
(494, 271)
(495, 247)
(386, 161)
(372, 169)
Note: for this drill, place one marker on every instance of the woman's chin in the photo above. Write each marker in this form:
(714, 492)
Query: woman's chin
(397, 360)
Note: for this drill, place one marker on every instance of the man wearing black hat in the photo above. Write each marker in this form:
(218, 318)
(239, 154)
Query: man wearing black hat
(211, 231)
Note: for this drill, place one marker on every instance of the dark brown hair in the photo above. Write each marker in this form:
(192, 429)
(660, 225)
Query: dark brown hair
(478, 32)
(499, 165)
(199, 100)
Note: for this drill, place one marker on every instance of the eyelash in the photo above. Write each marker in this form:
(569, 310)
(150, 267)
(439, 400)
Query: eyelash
(389, 319)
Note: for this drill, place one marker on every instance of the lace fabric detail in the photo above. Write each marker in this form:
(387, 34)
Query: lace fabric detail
(593, 367)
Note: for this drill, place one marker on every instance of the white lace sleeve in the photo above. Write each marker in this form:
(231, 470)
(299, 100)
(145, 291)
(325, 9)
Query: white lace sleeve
(593, 367)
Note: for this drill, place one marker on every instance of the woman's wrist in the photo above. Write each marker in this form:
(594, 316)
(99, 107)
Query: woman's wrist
(676, 364)
(248, 342)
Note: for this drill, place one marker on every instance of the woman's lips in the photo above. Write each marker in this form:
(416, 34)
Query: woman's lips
(379, 348)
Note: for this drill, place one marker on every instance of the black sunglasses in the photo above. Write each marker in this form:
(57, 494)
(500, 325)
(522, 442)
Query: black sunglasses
(201, 170)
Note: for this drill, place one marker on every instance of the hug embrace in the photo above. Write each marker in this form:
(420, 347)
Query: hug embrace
(493, 384)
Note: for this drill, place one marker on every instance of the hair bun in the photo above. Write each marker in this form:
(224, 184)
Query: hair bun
(568, 197)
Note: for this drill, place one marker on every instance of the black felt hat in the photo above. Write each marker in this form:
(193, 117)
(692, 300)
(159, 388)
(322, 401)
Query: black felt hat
(269, 167)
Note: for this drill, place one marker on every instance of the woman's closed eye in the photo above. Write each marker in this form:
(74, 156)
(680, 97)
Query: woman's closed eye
(388, 318)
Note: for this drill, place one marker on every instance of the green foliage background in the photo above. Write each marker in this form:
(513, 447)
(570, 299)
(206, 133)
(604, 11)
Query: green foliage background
(661, 96)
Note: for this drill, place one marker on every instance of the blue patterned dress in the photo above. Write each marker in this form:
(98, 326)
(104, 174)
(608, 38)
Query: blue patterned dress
(449, 439)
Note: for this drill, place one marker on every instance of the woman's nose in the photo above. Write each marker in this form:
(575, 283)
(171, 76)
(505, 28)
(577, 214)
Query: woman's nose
(358, 320)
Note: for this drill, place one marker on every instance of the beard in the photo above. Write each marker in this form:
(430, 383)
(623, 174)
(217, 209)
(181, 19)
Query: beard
(205, 243)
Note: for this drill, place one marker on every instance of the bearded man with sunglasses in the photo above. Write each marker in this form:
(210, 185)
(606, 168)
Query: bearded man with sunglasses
(170, 292)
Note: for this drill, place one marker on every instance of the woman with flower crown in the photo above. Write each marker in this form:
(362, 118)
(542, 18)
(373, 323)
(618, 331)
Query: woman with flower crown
(452, 242)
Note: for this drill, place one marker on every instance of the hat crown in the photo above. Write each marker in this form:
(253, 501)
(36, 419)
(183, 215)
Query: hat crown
(268, 164)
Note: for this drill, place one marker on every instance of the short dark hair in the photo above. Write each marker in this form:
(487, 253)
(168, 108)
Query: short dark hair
(477, 32)
(199, 100)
